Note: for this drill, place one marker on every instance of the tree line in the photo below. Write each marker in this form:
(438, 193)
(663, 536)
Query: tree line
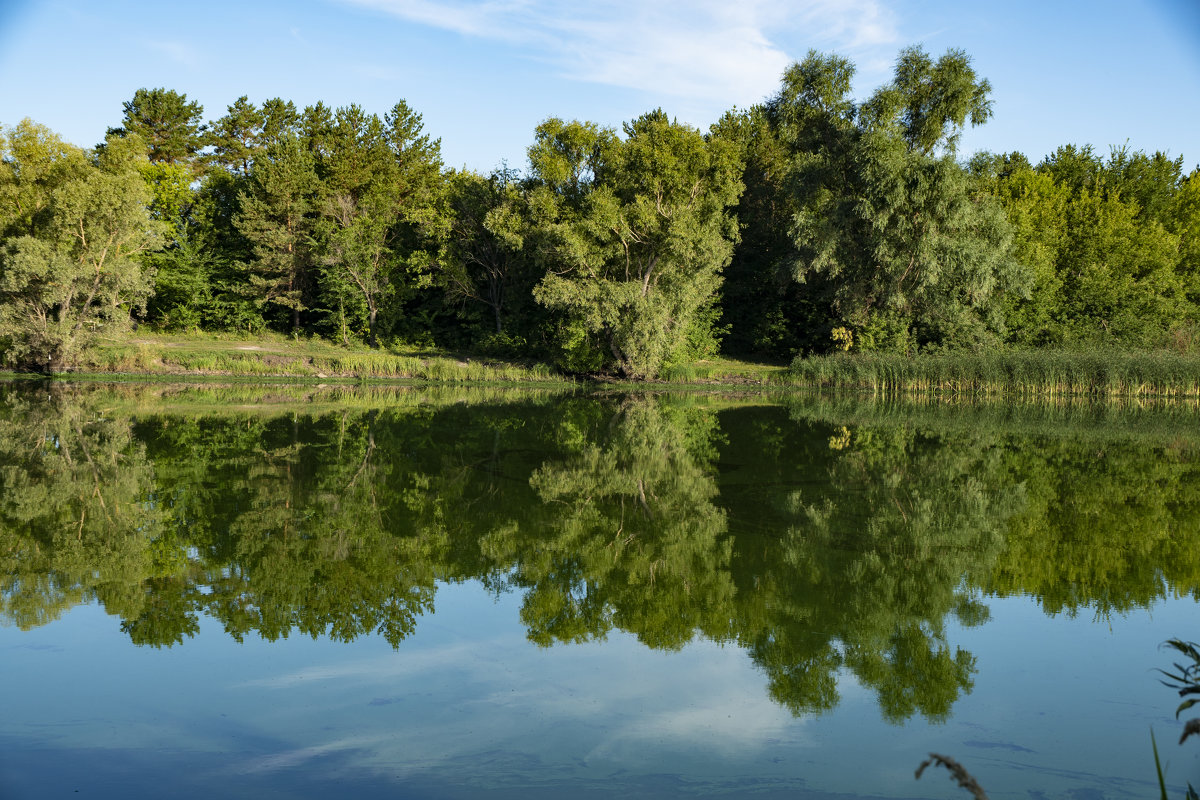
(808, 223)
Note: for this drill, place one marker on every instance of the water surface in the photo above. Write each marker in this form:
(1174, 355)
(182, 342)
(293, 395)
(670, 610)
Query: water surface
(419, 593)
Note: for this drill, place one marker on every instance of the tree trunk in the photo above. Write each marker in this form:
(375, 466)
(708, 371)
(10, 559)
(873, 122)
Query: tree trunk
(55, 363)
(371, 329)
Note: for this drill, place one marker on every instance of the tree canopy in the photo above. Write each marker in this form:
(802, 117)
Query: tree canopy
(79, 225)
(639, 232)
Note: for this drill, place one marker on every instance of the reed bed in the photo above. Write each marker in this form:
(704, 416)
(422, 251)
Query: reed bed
(1007, 372)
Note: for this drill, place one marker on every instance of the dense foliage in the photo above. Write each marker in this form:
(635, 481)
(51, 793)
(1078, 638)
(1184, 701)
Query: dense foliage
(810, 223)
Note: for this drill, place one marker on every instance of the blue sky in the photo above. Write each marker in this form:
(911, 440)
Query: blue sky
(484, 73)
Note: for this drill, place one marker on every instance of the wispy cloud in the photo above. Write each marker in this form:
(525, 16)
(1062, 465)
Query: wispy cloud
(706, 699)
(682, 48)
(715, 705)
(288, 759)
(372, 670)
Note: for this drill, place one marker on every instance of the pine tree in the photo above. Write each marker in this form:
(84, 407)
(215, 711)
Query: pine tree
(276, 217)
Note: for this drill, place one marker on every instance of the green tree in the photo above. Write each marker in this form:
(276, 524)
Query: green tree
(1102, 268)
(221, 253)
(280, 119)
(1148, 182)
(315, 127)
(639, 244)
(276, 217)
(181, 289)
(80, 269)
(201, 282)
(1183, 219)
(168, 125)
(1036, 209)
(1077, 168)
(766, 311)
(486, 259)
(171, 196)
(915, 256)
(358, 260)
(422, 219)
(236, 138)
(35, 162)
(927, 103)
(1118, 272)
(184, 291)
(796, 139)
(380, 212)
(355, 217)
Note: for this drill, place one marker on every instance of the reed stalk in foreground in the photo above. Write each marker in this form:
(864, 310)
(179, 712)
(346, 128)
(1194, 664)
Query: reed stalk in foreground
(957, 771)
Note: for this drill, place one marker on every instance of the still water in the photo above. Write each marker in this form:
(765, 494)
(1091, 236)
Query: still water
(286, 592)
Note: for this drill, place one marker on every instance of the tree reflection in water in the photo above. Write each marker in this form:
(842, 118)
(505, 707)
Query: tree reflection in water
(824, 543)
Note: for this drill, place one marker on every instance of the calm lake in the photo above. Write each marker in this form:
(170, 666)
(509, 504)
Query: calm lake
(410, 592)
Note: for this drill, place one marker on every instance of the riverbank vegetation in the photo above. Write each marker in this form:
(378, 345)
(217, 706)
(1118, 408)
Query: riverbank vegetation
(272, 354)
(1009, 372)
(848, 234)
(202, 355)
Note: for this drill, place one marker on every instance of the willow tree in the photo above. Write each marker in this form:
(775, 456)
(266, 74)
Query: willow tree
(639, 231)
(887, 215)
(75, 228)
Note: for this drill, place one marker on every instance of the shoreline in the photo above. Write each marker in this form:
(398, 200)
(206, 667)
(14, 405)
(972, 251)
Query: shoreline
(998, 374)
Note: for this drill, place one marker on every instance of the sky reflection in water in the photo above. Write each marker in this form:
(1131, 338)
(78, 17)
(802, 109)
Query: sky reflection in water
(466, 705)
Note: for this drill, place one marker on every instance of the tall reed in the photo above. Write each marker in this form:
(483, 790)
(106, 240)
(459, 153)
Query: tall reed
(1034, 373)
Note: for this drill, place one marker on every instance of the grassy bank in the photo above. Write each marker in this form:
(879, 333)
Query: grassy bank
(275, 356)
(1004, 372)
(278, 358)
(724, 371)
